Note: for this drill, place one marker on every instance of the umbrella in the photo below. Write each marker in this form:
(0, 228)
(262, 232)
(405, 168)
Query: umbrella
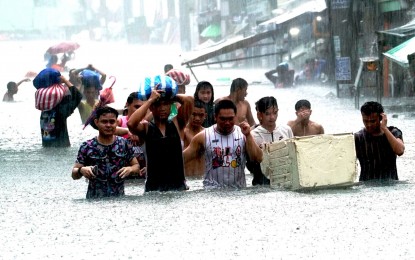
(105, 97)
(212, 31)
(63, 47)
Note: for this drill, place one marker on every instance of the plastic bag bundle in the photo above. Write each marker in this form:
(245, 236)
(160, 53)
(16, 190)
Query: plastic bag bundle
(46, 78)
(90, 78)
(165, 83)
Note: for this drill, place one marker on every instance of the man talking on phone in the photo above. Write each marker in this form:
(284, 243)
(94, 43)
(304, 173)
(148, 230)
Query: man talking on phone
(377, 144)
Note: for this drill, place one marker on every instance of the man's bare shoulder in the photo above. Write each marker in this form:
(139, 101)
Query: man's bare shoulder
(221, 98)
(315, 127)
(291, 123)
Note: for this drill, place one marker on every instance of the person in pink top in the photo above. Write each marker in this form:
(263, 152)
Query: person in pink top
(132, 104)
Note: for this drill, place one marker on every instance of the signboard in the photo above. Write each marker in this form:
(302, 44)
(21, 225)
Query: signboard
(343, 70)
(340, 4)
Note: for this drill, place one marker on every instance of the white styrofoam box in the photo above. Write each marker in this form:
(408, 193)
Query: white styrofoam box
(311, 161)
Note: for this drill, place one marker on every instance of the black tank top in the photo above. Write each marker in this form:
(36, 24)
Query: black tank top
(165, 170)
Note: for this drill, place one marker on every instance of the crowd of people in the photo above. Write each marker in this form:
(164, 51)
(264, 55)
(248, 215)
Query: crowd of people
(195, 135)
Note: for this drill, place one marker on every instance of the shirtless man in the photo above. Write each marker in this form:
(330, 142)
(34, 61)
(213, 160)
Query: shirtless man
(302, 125)
(237, 94)
(195, 167)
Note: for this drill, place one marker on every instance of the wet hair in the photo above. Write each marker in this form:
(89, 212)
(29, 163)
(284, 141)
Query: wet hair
(105, 110)
(203, 85)
(302, 103)
(199, 104)
(224, 104)
(238, 83)
(11, 85)
(167, 67)
(371, 107)
(264, 103)
(133, 96)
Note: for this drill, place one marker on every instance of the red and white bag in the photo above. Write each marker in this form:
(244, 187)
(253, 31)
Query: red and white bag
(50, 97)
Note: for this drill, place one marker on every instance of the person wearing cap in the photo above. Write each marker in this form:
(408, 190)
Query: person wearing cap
(92, 80)
(165, 168)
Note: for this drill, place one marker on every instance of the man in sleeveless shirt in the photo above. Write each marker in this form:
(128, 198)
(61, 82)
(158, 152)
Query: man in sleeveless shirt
(165, 168)
(224, 146)
(377, 144)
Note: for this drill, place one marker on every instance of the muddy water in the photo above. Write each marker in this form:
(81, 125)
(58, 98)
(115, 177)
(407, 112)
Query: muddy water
(43, 212)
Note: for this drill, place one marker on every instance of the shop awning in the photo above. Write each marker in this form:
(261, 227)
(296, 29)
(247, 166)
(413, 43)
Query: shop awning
(312, 6)
(400, 53)
(233, 44)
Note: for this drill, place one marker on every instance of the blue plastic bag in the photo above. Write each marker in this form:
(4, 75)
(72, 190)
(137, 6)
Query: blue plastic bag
(162, 82)
(90, 78)
(46, 78)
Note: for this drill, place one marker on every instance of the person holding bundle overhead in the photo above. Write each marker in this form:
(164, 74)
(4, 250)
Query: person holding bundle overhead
(165, 170)
(57, 102)
(92, 80)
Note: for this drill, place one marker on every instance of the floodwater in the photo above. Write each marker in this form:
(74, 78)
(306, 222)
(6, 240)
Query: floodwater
(44, 213)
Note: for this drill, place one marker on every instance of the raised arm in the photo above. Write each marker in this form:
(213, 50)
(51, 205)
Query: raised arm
(103, 75)
(185, 110)
(252, 149)
(23, 80)
(249, 117)
(135, 124)
(196, 147)
(396, 143)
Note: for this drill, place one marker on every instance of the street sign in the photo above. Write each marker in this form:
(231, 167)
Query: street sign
(343, 71)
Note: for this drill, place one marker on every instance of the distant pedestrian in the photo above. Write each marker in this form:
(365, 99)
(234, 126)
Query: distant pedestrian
(12, 88)
(54, 129)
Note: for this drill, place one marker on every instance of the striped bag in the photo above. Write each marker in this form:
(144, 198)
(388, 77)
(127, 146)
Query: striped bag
(50, 97)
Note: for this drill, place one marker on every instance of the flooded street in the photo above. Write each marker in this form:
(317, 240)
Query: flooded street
(44, 213)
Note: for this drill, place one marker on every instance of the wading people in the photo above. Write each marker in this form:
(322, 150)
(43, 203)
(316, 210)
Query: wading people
(105, 160)
(377, 144)
(268, 131)
(302, 125)
(204, 92)
(195, 167)
(237, 94)
(224, 146)
(12, 88)
(165, 168)
(92, 80)
(53, 124)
